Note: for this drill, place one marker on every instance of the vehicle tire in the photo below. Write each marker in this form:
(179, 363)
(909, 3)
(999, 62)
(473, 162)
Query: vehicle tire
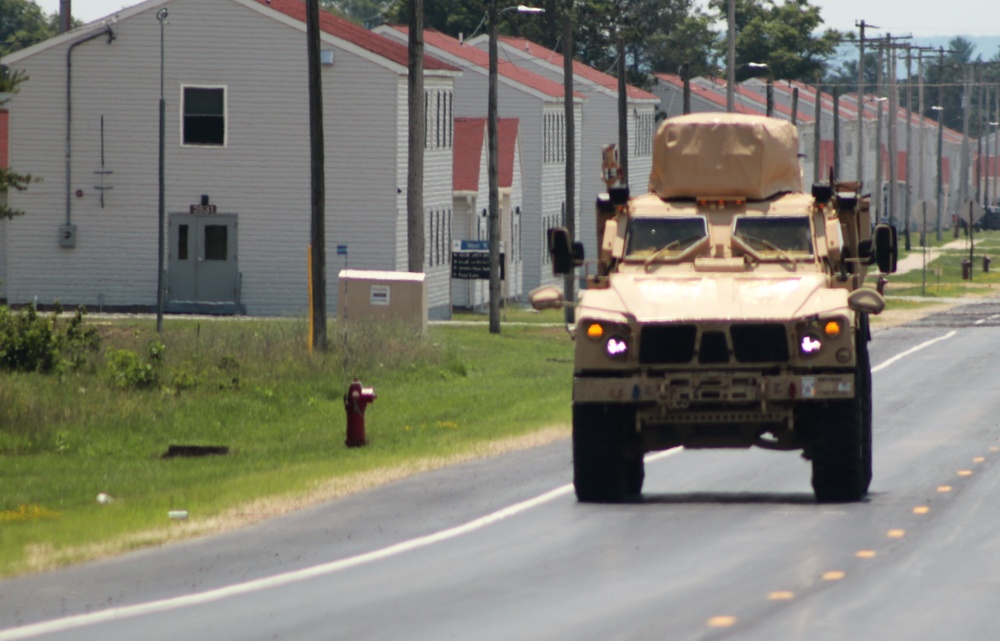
(839, 458)
(635, 474)
(601, 471)
(865, 392)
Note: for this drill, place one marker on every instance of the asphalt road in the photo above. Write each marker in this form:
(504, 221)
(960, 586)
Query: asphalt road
(724, 544)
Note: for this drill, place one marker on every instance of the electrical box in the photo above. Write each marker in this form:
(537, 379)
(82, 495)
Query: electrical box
(367, 296)
(67, 235)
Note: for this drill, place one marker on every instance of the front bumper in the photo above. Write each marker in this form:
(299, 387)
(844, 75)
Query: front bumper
(679, 390)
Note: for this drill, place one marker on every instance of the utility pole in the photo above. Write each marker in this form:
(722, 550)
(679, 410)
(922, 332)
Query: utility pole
(963, 187)
(415, 140)
(893, 143)
(979, 138)
(731, 57)
(836, 129)
(622, 109)
(879, 90)
(570, 222)
(940, 142)
(908, 200)
(862, 25)
(317, 228)
(817, 132)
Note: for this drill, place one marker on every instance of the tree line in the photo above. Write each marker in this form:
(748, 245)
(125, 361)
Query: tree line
(653, 35)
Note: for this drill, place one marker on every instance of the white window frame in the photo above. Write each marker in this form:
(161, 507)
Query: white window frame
(225, 116)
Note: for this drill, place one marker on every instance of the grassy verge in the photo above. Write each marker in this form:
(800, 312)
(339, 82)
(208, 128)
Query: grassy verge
(251, 386)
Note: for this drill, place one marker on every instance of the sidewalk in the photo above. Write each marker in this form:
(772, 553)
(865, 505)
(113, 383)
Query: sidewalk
(915, 260)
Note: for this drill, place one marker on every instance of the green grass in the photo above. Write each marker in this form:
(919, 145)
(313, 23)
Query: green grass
(251, 386)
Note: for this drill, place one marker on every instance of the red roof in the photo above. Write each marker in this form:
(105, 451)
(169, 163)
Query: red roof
(579, 68)
(347, 30)
(470, 136)
(481, 58)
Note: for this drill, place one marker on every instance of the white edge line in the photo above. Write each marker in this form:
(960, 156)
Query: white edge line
(908, 352)
(166, 605)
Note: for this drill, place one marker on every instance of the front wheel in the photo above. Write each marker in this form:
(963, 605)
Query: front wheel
(604, 471)
(840, 454)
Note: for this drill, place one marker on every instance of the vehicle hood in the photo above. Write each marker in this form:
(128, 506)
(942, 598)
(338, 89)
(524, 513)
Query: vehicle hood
(738, 297)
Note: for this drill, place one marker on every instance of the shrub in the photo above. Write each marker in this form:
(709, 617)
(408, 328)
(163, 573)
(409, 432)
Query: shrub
(127, 371)
(32, 343)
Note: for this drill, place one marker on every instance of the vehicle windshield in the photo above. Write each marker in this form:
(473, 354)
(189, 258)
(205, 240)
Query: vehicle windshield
(783, 235)
(650, 237)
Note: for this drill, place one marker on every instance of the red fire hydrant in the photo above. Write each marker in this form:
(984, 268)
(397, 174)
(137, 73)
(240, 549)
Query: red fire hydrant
(356, 400)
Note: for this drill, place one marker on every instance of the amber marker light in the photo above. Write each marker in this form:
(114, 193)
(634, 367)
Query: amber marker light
(595, 331)
(832, 329)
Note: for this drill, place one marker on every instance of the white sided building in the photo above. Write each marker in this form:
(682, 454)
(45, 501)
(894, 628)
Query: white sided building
(599, 126)
(236, 160)
(471, 211)
(537, 103)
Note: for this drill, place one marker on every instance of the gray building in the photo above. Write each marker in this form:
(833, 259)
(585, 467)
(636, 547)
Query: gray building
(237, 160)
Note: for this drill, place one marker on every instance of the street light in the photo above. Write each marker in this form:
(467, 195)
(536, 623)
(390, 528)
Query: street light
(161, 15)
(492, 16)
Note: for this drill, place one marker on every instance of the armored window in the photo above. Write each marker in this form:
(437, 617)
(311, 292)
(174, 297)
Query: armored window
(666, 236)
(774, 237)
(204, 122)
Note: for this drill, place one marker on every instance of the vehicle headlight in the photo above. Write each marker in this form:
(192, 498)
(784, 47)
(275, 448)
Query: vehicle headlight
(616, 346)
(614, 338)
(810, 344)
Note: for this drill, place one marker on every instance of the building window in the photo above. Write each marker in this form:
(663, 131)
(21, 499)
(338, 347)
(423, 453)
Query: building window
(645, 129)
(438, 119)
(554, 138)
(216, 242)
(204, 116)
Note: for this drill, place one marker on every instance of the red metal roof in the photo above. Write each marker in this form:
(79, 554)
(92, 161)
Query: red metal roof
(470, 136)
(358, 35)
(481, 59)
(579, 68)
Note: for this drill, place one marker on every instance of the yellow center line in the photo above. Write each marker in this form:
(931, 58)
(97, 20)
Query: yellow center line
(921, 509)
(943, 489)
(965, 472)
(865, 554)
(896, 534)
(979, 459)
(833, 575)
(781, 595)
(722, 622)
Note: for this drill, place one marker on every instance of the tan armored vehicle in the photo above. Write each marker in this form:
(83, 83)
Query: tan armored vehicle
(728, 310)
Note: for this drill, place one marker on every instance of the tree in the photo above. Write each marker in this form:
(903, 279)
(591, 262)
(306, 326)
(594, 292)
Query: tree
(846, 76)
(367, 13)
(22, 24)
(782, 36)
(10, 82)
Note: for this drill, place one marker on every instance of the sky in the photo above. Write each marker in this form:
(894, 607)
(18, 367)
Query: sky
(917, 17)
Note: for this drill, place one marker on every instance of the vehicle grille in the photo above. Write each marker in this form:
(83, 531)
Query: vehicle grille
(744, 343)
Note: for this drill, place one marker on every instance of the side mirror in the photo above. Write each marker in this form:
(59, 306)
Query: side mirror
(546, 297)
(565, 255)
(885, 248)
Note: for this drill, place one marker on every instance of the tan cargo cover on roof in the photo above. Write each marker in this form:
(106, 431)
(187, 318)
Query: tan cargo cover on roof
(725, 155)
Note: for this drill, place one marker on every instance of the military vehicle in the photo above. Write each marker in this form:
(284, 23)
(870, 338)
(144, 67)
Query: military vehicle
(728, 310)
